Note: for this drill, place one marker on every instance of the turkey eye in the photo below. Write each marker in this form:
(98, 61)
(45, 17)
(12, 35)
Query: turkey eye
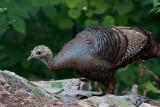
(38, 53)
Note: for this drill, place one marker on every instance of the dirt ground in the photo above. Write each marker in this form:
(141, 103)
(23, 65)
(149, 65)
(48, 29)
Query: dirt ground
(19, 97)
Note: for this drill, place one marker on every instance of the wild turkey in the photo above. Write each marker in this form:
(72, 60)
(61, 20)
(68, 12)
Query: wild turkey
(98, 51)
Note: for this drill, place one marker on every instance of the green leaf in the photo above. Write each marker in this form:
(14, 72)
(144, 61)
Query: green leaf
(49, 11)
(108, 21)
(83, 5)
(152, 10)
(151, 87)
(65, 23)
(135, 16)
(74, 13)
(155, 2)
(56, 85)
(25, 64)
(101, 8)
(144, 3)
(124, 7)
(19, 9)
(158, 11)
(34, 11)
(2, 56)
(18, 23)
(2, 47)
(54, 2)
(89, 13)
(3, 23)
(121, 21)
(153, 74)
(129, 72)
(99, 5)
(2, 10)
(38, 3)
(90, 21)
(93, 2)
(72, 3)
(37, 91)
(3, 20)
(67, 95)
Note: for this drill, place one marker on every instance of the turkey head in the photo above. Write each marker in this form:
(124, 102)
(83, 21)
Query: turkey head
(42, 53)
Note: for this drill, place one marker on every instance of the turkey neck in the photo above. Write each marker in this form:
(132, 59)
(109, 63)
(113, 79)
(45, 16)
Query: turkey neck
(47, 60)
(53, 63)
(56, 63)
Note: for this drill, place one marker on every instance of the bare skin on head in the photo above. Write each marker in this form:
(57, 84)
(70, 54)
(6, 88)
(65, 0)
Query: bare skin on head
(98, 51)
(42, 53)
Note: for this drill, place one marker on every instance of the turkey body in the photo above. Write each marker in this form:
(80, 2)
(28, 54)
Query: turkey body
(98, 51)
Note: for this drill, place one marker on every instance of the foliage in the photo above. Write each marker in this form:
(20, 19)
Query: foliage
(4, 21)
(54, 22)
(156, 5)
(57, 97)
(150, 87)
(67, 95)
(37, 91)
(3, 25)
(56, 85)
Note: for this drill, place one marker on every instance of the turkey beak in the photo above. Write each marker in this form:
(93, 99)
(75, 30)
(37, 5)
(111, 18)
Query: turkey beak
(30, 57)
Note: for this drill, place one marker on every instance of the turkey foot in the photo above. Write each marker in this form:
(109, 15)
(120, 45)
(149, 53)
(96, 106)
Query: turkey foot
(115, 91)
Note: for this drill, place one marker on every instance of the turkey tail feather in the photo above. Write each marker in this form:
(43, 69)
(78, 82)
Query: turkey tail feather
(155, 49)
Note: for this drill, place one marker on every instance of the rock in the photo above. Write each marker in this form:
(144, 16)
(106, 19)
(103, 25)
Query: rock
(59, 103)
(103, 105)
(6, 85)
(23, 92)
(74, 87)
(109, 100)
(66, 98)
(71, 94)
(138, 99)
(2, 105)
(146, 105)
(15, 80)
(74, 93)
(2, 80)
(2, 87)
(72, 90)
(9, 89)
(135, 99)
(78, 84)
(75, 83)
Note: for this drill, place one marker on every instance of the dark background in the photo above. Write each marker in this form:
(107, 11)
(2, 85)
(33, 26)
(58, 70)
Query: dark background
(25, 24)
